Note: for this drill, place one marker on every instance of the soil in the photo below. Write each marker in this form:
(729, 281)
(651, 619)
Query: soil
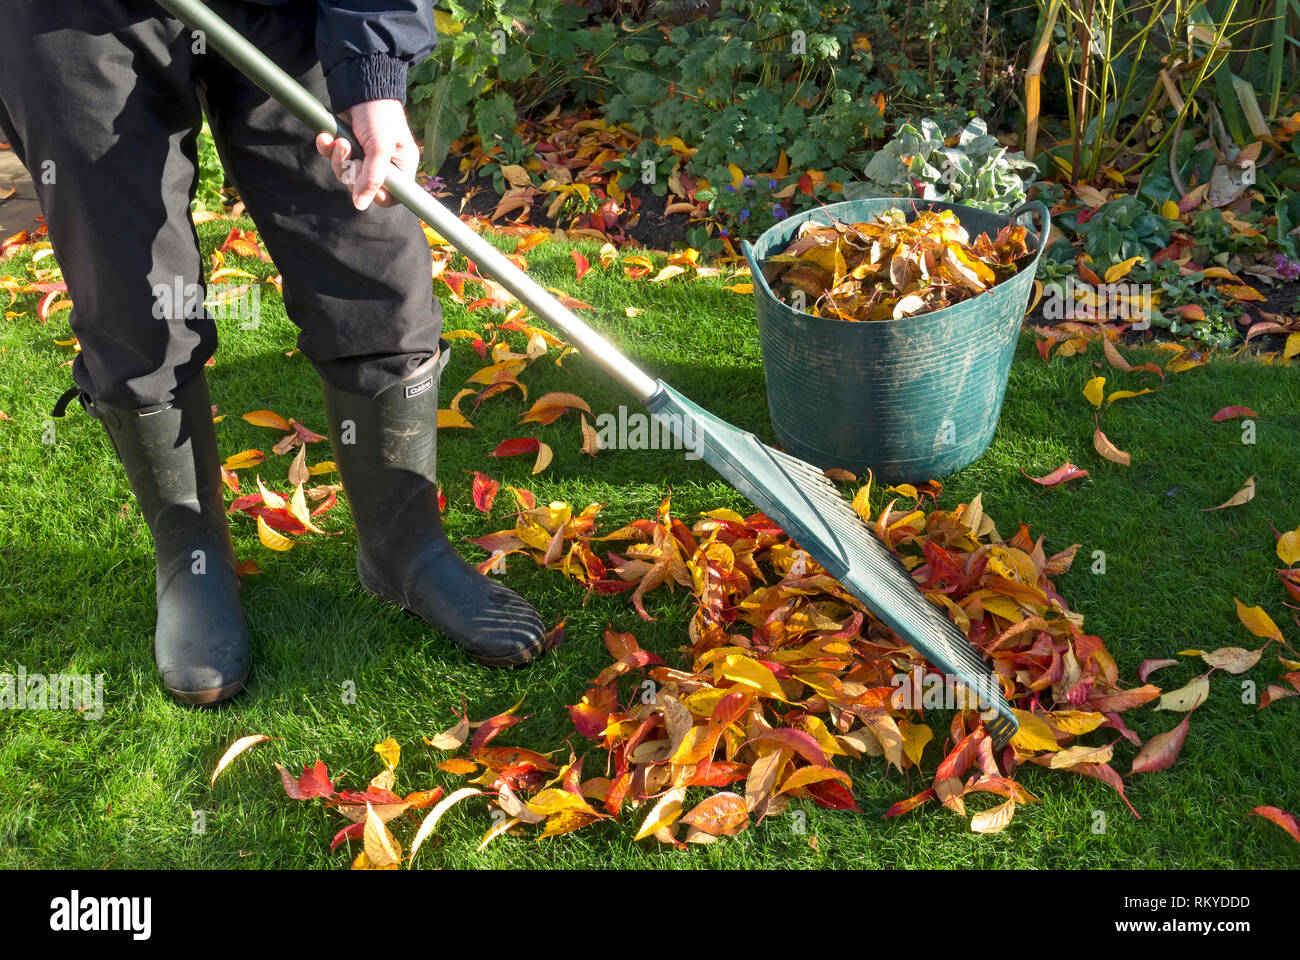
(652, 230)
(1282, 298)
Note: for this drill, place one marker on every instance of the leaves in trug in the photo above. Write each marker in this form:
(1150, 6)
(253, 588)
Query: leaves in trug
(890, 268)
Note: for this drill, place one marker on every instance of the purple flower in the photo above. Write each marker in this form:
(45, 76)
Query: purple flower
(746, 181)
(730, 188)
(1287, 269)
(778, 212)
(771, 184)
(724, 231)
(744, 214)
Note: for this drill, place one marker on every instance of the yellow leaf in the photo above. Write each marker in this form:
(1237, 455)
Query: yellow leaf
(1121, 270)
(1169, 210)
(391, 752)
(270, 538)
(1292, 346)
(1033, 734)
(915, 737)
(1187, 698)
(325, 466)
(995, 819)
(298, 510)
(667, 273)
(245, 458)
(445, 25)
(1244, 495)
(381, 847)
(741, 669)
(1288, 547)
(453, 418)
(1125, 394)
(1257, 621)
(1094, 389)
(662, 814)
(1076, 722)
(544, 455)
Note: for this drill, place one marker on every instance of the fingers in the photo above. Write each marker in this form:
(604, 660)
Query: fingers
(374, 168)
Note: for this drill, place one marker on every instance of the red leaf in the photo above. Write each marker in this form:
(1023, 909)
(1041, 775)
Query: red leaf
(910, 804)
(314, 782)
(516, 447)
(1062, 474)
(797, 740)
(580, 264)
(833, 795)
(353, 831)
(485, 491)
(490, 729)
(1162, 750)
(1227, 413)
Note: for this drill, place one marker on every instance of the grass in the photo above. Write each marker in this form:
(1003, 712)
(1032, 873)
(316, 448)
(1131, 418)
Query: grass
(131, 790)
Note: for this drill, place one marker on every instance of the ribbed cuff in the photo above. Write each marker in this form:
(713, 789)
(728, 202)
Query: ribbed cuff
(376, 76)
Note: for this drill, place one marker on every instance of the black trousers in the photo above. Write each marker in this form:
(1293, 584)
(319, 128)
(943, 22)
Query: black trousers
(103, 102)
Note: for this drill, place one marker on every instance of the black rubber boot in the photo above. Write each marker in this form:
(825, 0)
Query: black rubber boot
(386, 451)
(170, 456)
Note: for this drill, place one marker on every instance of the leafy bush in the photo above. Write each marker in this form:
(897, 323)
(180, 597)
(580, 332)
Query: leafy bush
(738, 84)
(968, 166)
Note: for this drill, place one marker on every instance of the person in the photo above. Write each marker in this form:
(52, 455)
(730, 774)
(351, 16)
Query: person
(103, 102)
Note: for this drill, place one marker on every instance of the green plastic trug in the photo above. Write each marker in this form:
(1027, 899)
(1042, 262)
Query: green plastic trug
(910, 399)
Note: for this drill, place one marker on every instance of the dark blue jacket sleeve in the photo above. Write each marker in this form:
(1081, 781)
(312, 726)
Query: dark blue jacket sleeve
(365, 46)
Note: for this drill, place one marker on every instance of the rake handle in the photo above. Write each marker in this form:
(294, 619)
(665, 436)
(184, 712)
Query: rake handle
(289, 93)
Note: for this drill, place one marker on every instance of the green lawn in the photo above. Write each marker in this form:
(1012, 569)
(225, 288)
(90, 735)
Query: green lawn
(76, 597)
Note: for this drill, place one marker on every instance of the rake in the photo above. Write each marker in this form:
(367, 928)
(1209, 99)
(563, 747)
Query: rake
(797, 496)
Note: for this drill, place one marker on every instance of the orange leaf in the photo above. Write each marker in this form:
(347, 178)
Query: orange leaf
(236, 748)
(1287, 821)
(1107, 449)
(485, 491)
(245, 458)
(551, 406)
(723, 814)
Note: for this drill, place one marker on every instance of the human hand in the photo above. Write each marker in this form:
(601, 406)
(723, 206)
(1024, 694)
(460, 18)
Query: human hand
(384, 137)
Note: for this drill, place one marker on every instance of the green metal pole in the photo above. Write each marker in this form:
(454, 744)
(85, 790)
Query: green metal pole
(225, 40)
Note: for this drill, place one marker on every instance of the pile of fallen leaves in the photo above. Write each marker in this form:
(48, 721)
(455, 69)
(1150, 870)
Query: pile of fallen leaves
(788, 677)
(890, 268)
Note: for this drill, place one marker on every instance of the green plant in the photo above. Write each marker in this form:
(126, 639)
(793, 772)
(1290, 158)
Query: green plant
(1131, 75)
(969, 166)
(1119, 230)
(212, 176)
(1216, 323)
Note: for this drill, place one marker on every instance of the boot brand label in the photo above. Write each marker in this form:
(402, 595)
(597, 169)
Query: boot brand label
(418, 388)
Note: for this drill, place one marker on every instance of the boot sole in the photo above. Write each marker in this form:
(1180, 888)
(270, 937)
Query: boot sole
(207, 698)
(519, 660)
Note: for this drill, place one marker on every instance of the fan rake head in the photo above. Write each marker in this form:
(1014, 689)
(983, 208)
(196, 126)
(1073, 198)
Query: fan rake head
(800, 499)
